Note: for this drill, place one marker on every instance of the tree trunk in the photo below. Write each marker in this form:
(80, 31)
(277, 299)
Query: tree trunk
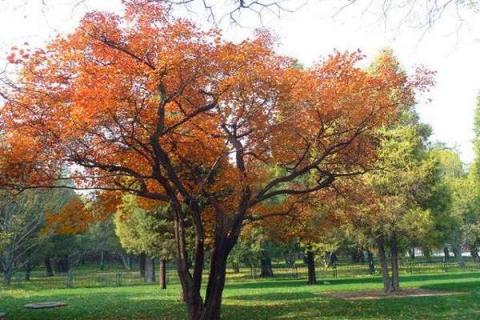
(7, 277)
(326, 259)
(411, 253)
(126, 261)
(48, 266)
(395, 263)
(446, 254)
(427, 253)
(371, 263)
(149, 270)
(28, 271)
(236, 267)
(332, 260)
(216, 284)
(387, 281)
(266, 265)
(63, 265)
(474, 253)
(142, 264)
(163, 274)
(312, 276)
(102, 260)
(357, 256)
(458, 255)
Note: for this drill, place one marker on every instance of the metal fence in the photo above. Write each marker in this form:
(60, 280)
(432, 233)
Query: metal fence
(113, 276)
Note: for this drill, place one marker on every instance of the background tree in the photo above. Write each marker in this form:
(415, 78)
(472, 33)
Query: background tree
(22, 216)
(148, 232)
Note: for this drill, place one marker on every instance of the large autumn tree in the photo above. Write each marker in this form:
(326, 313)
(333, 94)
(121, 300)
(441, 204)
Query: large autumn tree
(151, 105)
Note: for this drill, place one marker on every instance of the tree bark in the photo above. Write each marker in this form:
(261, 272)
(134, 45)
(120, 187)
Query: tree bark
(63, 264)
(102, 260)
(163, 274)
(387, 281)
(149, 270)
(394, 253)
(371, 263)
(357, 256)
(474, 253)
(312, 276)
(266, 265)
(126, 261)
(236, 267)
(411, 253)
(28, 270)
(142, 264)
(48, 266)
(458, 255)
(446, 254)
(216, 284)
(7, 277)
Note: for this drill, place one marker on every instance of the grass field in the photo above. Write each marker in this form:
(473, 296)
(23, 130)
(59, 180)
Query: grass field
(259, 299)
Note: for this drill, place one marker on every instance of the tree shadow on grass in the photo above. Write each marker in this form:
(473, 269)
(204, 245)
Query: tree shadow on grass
(455, 286)
(295, 283)
(278, 296)
(311, 306)
(405, 278)
(108, 305)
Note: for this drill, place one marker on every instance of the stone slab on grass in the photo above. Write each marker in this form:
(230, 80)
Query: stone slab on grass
(45, 305)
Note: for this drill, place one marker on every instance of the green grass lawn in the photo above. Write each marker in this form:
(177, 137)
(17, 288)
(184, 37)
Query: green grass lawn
(261, 299)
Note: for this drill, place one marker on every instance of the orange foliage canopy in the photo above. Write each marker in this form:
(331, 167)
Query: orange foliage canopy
(73, 218)
(151, 105)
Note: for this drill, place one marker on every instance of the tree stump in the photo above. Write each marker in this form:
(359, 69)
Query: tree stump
(45, 305)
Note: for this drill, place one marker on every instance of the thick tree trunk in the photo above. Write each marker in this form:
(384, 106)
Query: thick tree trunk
(387, 281)
(216, 284)
(48, 266)
(446, 254)
(149, 270)
(371, 263)
(141, 264)
(163, 274)
(266, 265)
(394, 253)
(312, 276)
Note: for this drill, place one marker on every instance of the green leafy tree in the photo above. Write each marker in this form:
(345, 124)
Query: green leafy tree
(146, 232)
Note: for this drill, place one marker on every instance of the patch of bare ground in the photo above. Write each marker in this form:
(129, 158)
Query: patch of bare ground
(378, 294)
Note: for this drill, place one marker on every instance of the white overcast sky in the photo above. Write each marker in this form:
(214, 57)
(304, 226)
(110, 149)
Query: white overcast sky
(312, 32)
